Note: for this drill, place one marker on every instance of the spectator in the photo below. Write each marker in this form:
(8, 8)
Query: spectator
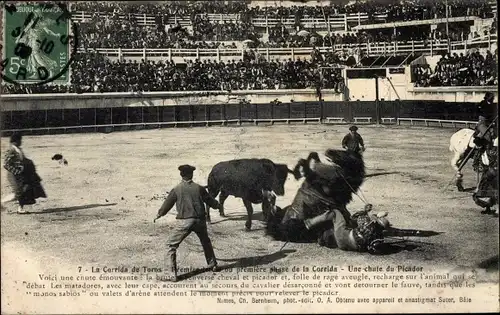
(95, 73)
(471, 69)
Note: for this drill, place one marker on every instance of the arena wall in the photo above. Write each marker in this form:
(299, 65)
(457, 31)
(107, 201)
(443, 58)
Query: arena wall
(47, 113)
(123, 113)
(393, 87)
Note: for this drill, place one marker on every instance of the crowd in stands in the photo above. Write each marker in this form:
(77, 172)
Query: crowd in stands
(279, 37)
(181, 8)
(395, 10)
(472, 69)
(114, 24)
(206, 30)
(92, 72)
(115, 32)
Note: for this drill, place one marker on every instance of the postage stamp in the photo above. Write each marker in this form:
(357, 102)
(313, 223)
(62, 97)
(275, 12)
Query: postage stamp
(39, 42)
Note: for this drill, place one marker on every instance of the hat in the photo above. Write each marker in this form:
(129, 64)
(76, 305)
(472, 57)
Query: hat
(15, 137)
(353, 128)
(186, 168)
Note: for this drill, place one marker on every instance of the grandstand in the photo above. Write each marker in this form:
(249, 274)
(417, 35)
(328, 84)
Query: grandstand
(226, 46)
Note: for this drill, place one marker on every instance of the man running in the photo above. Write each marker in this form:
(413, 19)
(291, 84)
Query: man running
(189, 199)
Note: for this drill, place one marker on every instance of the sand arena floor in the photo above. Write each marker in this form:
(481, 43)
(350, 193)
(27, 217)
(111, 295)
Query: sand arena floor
(101, 206)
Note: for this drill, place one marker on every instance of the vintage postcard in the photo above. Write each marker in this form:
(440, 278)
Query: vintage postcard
(249, 157)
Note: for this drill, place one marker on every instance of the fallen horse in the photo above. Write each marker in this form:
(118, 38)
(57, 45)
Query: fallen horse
(318, 211)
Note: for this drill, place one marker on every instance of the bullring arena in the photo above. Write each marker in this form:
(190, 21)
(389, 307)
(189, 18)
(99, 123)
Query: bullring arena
(123, 150)
(100, 206)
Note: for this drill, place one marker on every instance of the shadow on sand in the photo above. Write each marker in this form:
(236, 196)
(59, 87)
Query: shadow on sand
(396, 240)
(75, 208)
(470, 189)
(243, 262)
(395, 232)
(259, 216)
(396, 247)
(490, 264)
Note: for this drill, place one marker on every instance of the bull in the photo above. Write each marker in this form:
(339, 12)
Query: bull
(253, 180)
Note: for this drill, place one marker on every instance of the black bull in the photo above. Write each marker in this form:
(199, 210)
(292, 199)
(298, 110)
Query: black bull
(249, 179)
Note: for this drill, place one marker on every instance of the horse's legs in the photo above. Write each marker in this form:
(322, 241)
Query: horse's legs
(455, 163)
(248, 205)
(459, 182)
(222, 198)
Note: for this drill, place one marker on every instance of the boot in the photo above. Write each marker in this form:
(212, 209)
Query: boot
(21, 210)
(487, 211)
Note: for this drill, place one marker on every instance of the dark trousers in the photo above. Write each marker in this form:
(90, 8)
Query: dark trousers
(182, 229)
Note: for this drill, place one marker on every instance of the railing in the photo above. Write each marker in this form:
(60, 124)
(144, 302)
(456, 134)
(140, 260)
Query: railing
(367, 49)
(339, 21)
(415, 23)
(333, 22)
(233, 93)
(436, 122)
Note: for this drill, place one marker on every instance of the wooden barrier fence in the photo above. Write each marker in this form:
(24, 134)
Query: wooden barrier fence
(415, 113)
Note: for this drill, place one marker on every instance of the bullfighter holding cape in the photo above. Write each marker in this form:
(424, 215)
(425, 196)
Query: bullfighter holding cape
(22, 176)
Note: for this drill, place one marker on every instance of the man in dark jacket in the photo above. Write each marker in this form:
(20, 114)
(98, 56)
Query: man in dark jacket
(189, 199)
(353, 141)
(486, 113)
